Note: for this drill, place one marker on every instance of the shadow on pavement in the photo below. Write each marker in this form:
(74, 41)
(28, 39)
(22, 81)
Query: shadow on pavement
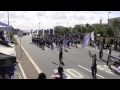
(54, 63)
(102, 60)
(114, 71)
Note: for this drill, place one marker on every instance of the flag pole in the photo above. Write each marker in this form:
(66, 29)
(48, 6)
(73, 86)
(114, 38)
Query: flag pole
(90, 40)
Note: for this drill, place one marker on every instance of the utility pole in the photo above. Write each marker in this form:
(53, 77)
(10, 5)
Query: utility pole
(108, 19)
(8, 16)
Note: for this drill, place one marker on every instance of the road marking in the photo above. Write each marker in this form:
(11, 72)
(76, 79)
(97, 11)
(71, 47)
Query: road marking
(72, 74)
(77, 75)
(105, 69)
(30, 58)
(22, 71)
(68, 76)
(90, 71)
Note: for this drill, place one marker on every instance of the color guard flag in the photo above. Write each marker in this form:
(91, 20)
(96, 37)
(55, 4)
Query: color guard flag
(86, 40)
(92, 36)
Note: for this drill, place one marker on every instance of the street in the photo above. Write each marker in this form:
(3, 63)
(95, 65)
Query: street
(77, 61)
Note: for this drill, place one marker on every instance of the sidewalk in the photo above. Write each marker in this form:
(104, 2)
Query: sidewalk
(28, 70)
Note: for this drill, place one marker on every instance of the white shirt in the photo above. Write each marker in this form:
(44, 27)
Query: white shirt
(64, 76)
(100, 47)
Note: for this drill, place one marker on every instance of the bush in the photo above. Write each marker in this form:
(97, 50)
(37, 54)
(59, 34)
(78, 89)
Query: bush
(14, 41)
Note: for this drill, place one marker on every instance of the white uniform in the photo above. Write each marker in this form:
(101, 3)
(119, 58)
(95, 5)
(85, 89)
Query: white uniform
(64, 76)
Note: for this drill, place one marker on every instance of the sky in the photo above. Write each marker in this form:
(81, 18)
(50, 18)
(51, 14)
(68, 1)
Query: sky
(27, 20)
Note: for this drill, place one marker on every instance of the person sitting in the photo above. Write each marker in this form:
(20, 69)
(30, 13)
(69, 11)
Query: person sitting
(42, 76)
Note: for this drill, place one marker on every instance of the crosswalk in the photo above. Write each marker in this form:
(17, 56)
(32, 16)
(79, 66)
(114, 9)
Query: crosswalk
(73, 73)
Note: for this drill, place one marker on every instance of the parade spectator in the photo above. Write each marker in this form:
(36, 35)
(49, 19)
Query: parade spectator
(109, 54)
(42, 76)
(100, 51)
(61, 54)
(60, 74)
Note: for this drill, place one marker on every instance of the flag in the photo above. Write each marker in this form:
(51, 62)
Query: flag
(92, 36)
(96, 47)
(86, 40)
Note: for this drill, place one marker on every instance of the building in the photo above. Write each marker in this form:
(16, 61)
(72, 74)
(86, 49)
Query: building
(110, 21)
(99, 24)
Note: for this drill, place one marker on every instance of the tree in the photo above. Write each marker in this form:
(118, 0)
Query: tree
(66, 30)
(78, 28)
(83, 29)
(100, 30)
(116, 25)
(109, 31)
(89, 28)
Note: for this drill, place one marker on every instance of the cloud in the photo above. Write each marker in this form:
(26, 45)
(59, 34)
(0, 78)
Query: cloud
(27, 20)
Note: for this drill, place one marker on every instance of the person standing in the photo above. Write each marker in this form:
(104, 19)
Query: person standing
(109, 54)
(100, 51)
(61, 54)
(93, 65)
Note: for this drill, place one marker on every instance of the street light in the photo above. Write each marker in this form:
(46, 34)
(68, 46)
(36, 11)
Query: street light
(108, 19)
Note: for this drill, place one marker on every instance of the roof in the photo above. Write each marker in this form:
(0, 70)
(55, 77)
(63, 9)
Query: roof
(4, 26)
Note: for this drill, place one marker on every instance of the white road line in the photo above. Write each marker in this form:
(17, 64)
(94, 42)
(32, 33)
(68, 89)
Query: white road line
(90, 71)
(32, 61)
(22, 71)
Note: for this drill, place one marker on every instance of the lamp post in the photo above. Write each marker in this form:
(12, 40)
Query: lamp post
(108, 19)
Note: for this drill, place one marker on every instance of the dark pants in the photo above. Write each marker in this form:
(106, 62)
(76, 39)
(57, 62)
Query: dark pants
(94, 71)
(60, 57)
(100, 54)
(108, 59)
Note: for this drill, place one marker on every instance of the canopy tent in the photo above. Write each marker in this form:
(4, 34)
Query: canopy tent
(4, 26)
(7, 54)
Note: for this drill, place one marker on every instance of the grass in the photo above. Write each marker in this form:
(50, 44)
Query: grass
(14, 41)
(108, 38)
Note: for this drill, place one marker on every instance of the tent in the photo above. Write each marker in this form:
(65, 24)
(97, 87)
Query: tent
(7, 53)
(4, 26)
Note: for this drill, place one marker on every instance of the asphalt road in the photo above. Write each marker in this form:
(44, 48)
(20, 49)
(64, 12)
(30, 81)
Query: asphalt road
(77, 61)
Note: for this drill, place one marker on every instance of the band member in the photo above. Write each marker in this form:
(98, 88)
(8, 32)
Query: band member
(109, 54)
(61, 54)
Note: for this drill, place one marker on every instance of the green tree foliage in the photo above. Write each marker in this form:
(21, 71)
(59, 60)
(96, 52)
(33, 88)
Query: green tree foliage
(109, 31)
(116, 26)
(89, 28)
